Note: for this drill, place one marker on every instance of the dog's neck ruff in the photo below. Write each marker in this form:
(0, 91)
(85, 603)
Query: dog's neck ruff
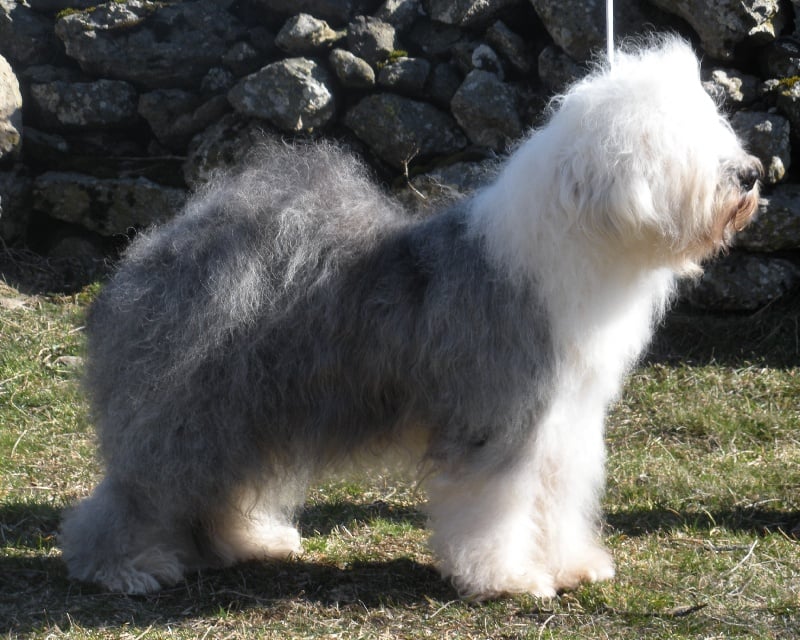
(602, 301)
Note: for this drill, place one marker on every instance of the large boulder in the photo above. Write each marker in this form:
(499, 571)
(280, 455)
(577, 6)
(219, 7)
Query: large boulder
(742, 282)
(405, 75)
(371, 39)
(84, 105)
(151, 44)
(486, 109)
(724, 24)
(731, 86)
(26, 37)
(223, 145)
(352, 71)
(337, 12)
(578, 26)
(109, 207)
(777, 226)
(15, 206)
(304, 34)
(766, 136)
(175, 115)
(464, 12)
(10, 113)
(400, 130)
(294, 94)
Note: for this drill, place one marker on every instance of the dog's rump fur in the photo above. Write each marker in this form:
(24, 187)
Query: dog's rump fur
(270, 327)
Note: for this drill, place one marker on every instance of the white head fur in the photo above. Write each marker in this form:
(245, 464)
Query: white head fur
(635, 159)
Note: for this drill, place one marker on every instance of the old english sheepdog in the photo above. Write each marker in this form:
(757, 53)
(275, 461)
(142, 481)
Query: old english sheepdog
(294, 318)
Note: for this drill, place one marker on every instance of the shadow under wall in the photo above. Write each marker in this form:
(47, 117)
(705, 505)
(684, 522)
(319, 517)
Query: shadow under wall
(767, 337)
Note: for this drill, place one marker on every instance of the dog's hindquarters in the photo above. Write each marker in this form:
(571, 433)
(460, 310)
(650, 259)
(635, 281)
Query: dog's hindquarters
(198, 445)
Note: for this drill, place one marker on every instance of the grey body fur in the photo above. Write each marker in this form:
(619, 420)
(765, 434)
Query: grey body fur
(291, 316)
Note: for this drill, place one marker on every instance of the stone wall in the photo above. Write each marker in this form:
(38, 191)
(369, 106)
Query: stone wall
(110, 112)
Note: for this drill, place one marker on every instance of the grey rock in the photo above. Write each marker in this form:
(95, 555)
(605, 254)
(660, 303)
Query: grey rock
(557, 69)
(405, 75)
(780, 59)
(151, 44)
(107, 207)
(352, 71)
(401, 14)
(777, 226)
(47, 6)
(26, 37)
(371, 39)
(442, 186)
(742, 282)
(484, 58)
(434, 39)
(242, 58)
(294, 94)
(74, 246)
(464, 12)
(578, 26)
(732, 87)
(336, 12)
(49, 149)
(223, 145)
(175, 115)
(10, 113)
(475, 54)
(399, 129)
(723, 24)
(75, 363)
(262, 40)
(510, 45)
(787, 99)
(217, 80)
(105, 144)
(766, 135)
(16, 191)
(43, 73)
(84, 105)
(443, 82)
(486, 109)
(304, 34)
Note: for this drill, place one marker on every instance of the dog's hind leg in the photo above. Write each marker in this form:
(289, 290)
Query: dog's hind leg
(118, 540)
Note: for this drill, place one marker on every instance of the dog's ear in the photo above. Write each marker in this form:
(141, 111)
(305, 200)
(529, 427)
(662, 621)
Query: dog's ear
(604, 195)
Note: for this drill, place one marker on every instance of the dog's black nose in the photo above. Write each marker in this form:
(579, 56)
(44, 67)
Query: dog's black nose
(748, 177)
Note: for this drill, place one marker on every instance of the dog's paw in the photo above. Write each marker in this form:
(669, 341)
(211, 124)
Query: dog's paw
(147, 572)
(595, 565)
(127, 579)
(532, 581)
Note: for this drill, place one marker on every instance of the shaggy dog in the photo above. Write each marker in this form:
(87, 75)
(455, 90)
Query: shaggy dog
(293, 317)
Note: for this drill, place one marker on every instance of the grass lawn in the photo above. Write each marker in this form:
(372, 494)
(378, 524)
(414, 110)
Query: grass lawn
(702, 509)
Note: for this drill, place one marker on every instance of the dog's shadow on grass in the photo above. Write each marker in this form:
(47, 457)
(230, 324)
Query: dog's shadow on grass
(758, 521)
(36, 594)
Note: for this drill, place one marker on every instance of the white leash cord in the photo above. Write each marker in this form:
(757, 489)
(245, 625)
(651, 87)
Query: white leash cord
(610, 31)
